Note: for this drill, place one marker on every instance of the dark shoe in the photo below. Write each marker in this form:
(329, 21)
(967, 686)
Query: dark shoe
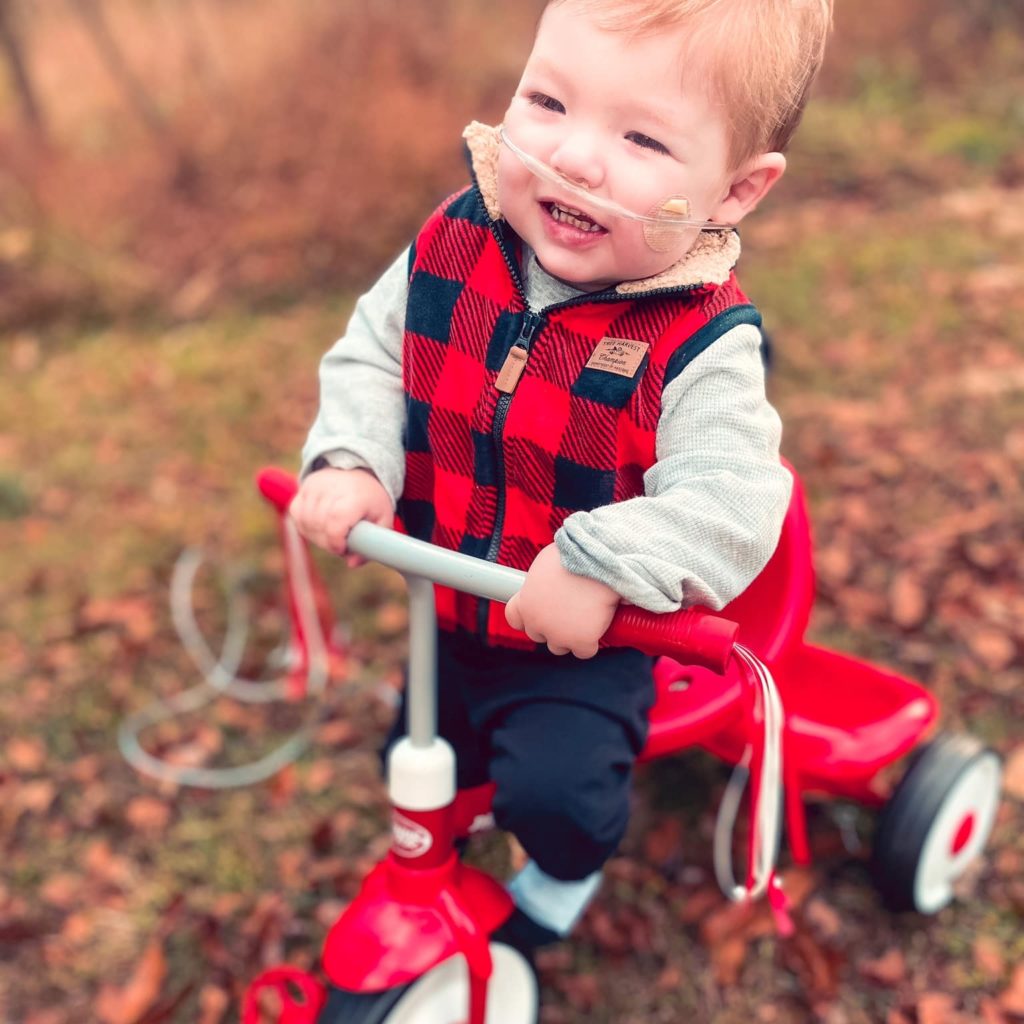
(523, 933)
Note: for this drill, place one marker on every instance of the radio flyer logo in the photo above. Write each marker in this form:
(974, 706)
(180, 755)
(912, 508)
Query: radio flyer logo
(410, 838)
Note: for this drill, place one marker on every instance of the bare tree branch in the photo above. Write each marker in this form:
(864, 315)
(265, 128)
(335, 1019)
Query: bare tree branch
(13, 49)
(95, 21)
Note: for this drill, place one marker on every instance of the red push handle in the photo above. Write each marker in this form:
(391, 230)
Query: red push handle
(690, 635)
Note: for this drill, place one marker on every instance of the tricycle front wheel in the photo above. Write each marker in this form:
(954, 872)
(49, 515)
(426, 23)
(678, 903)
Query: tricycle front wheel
(441, 996)
(936, 823)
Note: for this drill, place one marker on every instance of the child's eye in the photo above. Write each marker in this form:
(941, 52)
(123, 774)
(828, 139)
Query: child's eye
(646, 142)
(539, 99)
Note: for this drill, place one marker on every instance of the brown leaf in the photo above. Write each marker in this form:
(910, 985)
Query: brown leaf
(25, 753)
(728, 930)
(700, 903)
(128, 1004)
(889, 969)
(727, 959)
(935, 1008)
(106, 866)
(148, 813)
(670, 979)
(393, 617)
(583, 991)
(815, 963)
(663, 842)
(988, 956)
(48, 1016)
(908, 600)
(319, 776)
(213, 1004)
(283, 785)
(744, 918)
(338, 733)
(1013, 773)
(606, 932)
(36, 796)
(132, 614)
(798, 884)
(822, 918)
(61, 890)
(992, 647)
(1012, 999)
(990, 1012)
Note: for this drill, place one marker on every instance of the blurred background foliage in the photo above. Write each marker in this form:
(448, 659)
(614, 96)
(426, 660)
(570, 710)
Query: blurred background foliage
(160, 156)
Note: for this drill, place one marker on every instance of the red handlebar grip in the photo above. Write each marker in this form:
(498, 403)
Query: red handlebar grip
(690, 635)
(277, 486)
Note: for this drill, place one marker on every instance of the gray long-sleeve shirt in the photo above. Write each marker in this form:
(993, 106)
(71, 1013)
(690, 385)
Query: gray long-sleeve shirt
(713, 502)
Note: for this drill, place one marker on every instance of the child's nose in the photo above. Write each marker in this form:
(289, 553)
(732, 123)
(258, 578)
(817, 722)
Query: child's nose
(578, 158)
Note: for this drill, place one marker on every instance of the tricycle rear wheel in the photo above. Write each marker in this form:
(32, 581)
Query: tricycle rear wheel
(936, 822)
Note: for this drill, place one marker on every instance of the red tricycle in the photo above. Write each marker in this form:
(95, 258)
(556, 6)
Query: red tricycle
(414, 947)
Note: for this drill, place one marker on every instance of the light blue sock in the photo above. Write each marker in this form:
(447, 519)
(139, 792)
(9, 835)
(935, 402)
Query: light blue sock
(554, 904)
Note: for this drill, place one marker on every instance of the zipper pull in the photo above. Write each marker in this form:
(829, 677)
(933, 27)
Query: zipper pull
(515, 362)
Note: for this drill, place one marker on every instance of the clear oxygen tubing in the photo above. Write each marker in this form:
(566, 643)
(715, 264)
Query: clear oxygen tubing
(220, 678)
(673, 213)
(768, 823)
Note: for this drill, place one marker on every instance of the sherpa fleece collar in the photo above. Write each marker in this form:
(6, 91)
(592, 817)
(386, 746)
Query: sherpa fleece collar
(710, 261)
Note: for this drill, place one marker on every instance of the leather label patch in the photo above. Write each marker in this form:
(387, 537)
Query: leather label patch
(511, 370)
(618, 355)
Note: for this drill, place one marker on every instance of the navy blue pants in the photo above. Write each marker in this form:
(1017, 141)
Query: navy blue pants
(556, 734)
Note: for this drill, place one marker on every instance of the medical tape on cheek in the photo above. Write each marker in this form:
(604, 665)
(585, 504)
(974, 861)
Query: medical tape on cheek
(664, 221)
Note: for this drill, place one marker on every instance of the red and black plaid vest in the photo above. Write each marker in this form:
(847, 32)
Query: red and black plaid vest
(500, 447)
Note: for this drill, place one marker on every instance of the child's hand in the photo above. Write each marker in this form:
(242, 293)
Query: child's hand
(569, 613)
(331, 501)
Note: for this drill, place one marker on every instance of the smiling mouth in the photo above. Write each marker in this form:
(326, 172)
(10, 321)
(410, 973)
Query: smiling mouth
(573, 217)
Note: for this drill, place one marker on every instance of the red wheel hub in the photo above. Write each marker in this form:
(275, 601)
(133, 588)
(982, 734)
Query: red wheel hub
(963, 834)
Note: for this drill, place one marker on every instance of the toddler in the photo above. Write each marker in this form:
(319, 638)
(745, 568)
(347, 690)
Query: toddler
(563, 375)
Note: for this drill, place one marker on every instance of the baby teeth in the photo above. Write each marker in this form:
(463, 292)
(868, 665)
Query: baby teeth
(573, 217)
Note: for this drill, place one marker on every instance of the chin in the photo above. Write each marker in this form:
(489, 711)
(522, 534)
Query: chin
(570, 272)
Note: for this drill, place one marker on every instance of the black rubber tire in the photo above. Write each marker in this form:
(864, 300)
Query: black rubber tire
(906, 818)
(359, 1007)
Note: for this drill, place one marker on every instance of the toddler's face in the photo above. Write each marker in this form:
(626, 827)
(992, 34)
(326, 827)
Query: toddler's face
(609, 111)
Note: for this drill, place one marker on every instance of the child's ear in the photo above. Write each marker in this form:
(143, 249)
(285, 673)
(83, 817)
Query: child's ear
(750, 185)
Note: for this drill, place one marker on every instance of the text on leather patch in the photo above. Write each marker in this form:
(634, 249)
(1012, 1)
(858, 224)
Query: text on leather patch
(618, 355)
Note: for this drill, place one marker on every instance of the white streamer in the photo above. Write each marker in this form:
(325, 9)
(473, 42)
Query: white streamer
(768, 822)
(220, 678)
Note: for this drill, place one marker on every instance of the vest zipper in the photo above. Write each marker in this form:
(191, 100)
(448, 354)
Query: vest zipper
(532, 322)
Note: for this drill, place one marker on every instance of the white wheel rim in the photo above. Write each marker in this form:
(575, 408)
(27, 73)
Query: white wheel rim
(958, 832)
(441, 996)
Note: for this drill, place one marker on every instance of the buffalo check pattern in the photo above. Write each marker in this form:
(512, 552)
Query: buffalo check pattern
(494, 474)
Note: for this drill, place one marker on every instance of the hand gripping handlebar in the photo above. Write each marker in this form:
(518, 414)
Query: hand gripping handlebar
(690, 635)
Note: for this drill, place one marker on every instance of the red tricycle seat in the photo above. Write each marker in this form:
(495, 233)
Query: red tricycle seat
(846, 719)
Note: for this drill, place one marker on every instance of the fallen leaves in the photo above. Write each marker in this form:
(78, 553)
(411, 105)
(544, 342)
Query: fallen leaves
(128, 1004)
(1011, 1000)
(25, 753)
(1013, 773)
(889, 969)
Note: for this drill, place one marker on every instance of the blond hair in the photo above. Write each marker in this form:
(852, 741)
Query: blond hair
(759, 58)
